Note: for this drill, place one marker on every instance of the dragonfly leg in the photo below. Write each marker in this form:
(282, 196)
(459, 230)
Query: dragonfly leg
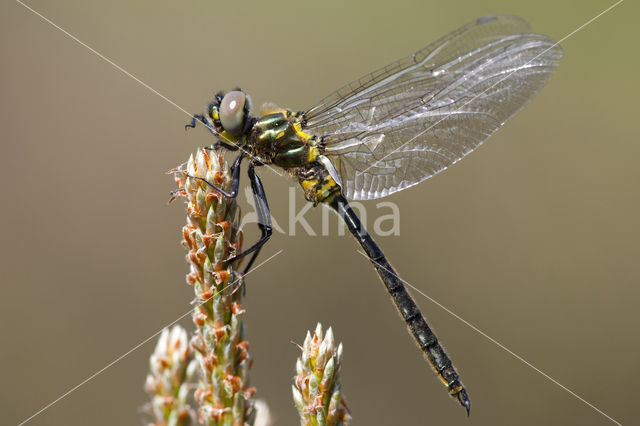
(235, 179)
(264, 218)
(203, 120)
(222, 144)
(253, 258)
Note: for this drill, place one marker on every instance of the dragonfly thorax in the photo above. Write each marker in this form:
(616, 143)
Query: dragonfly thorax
(278, 138)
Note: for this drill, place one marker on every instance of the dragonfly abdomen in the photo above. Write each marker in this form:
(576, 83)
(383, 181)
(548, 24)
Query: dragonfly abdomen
(417, 326)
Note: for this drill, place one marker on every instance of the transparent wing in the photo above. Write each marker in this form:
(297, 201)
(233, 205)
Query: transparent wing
(414, 118)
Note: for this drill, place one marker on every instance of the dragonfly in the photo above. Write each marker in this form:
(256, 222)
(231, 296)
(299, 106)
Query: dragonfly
(385, 132)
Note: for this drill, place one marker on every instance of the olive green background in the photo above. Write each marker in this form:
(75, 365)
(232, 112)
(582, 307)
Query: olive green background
(533, 239)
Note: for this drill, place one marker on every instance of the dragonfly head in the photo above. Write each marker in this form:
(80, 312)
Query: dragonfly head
(230, 112)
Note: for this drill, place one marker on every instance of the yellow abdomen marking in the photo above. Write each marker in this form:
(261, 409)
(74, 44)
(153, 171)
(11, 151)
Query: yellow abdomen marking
(326, 190)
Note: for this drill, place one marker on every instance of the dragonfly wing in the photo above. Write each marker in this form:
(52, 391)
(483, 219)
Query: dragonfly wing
(414, 118)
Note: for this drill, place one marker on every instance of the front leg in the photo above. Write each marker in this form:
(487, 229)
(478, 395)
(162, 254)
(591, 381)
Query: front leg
(222, 144)
(200, 117)
(264, 218)
(235, 179)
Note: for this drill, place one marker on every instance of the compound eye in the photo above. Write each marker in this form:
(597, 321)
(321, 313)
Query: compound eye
(232, 114)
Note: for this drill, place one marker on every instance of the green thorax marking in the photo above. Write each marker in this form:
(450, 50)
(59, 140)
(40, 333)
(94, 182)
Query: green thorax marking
(279, 139)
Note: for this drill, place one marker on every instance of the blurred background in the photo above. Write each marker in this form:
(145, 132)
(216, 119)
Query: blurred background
(533, 238)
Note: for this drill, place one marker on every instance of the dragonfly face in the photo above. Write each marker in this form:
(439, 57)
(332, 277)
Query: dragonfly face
(229, 113)
(390, 130)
